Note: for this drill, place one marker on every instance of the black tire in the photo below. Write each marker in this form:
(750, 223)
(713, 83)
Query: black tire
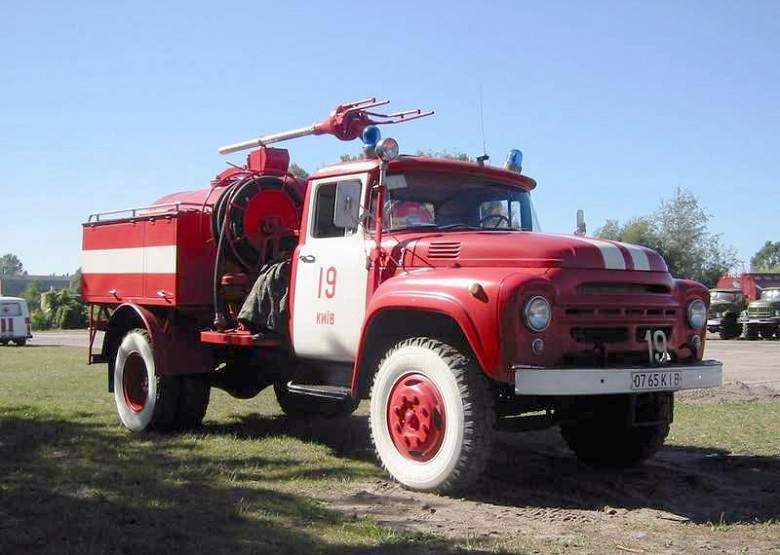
(144, 401)
(751, 332)
(729, 328)
(3, 342)
(767, 331)
(604, 438)
(194, 396)
(20, 342)
(296, 405)
(431, 416)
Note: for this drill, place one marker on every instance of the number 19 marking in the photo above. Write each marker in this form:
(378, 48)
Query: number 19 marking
(327, 283)
(657, 347)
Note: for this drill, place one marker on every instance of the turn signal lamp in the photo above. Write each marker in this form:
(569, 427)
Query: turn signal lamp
(514, 161)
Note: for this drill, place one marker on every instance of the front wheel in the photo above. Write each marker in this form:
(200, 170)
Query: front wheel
(768, 331)
(751, 332)
(730, 328)
(431, 416)
(20, 342)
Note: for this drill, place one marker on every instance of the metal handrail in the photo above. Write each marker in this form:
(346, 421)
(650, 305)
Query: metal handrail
(155, 209)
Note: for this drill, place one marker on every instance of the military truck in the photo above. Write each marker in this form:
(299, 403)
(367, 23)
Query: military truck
(763, 315)
(726, 306)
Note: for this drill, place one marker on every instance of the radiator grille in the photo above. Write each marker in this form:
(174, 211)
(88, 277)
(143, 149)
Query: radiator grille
(620, 312)
(623, 288)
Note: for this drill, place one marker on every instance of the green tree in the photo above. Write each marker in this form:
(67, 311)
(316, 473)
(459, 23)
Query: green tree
(445, 154)
(32, 294)
(678, 231)
(10, 265)
(767, 258)
(298, 171)
(74, 286)
(351, 157)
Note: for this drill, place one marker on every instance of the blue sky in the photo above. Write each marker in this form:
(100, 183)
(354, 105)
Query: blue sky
(108, 105)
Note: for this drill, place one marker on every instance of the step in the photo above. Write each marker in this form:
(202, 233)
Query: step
(332, 392)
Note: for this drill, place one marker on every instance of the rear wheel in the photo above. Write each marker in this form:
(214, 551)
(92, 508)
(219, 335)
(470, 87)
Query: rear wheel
(144, 401)
(431, 416)
(3, 342)
(20, 342)
(194, 396)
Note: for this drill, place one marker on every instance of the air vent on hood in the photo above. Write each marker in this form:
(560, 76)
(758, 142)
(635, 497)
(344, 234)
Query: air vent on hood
(444, 250)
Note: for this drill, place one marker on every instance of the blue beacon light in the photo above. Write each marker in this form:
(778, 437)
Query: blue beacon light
(371, 136)
(514, 161)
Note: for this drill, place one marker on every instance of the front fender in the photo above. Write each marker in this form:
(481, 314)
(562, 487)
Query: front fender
(471, 301)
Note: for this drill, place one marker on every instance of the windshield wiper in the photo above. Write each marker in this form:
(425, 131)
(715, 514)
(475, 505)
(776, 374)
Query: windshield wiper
(460, 226)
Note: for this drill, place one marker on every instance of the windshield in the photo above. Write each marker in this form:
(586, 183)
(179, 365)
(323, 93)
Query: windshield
(723, 296)
(770, 295)
(453, 201)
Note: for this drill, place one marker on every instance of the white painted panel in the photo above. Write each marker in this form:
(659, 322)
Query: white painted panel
(613, 257)
(329, 302)
(136, 260)
(638, 255)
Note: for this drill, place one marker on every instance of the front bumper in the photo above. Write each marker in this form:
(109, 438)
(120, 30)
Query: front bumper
(536, 380)
(768, 321)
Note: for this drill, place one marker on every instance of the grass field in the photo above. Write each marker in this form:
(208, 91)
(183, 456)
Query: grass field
(74, 481)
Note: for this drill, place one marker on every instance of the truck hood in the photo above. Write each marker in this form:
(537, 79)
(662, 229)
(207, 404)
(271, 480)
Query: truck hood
(529, 249)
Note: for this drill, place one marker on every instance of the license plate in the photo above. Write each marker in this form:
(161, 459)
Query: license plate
(655, 380)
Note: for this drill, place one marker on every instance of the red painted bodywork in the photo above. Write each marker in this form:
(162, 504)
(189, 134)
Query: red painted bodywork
(749, 283)
(478, 279)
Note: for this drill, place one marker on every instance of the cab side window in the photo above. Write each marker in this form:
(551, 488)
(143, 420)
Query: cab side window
(324, 203)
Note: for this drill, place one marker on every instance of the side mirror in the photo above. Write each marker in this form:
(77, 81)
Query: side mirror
(581, 227)
(346, 212)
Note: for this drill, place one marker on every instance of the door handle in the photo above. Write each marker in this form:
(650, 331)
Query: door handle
(307, 258)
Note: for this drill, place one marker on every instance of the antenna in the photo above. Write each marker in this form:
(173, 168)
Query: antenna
(481, 159)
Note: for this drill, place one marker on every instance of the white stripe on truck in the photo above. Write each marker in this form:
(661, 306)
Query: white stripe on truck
(136, 260)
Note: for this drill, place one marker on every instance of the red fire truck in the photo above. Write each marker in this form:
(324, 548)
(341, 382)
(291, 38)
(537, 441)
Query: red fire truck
(421, 284)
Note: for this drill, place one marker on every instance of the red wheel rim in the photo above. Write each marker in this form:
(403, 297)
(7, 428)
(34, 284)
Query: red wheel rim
(416, 417)
(135, 382)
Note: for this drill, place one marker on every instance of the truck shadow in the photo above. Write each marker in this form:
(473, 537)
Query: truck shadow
(693, 484)
(76, 487)
(537, 470)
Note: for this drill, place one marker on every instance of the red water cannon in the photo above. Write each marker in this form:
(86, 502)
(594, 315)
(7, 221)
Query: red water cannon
(346, 122)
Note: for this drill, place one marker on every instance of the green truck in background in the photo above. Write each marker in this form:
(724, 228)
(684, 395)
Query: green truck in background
(726, 306)
(763, 315)
(748, 302)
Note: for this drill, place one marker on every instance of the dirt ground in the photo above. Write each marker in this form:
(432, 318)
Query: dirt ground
(537, 498)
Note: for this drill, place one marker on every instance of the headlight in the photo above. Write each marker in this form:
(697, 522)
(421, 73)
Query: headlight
(697, 314)
(537, 313)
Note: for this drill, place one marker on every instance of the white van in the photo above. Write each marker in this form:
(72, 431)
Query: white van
(15, 322)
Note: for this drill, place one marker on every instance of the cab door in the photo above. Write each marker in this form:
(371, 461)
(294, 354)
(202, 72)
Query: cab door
(330, 279)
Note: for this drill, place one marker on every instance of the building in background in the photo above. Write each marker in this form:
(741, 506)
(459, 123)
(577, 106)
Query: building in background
(14, 286)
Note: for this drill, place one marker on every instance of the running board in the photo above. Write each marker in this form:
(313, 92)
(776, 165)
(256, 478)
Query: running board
(330, 392)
